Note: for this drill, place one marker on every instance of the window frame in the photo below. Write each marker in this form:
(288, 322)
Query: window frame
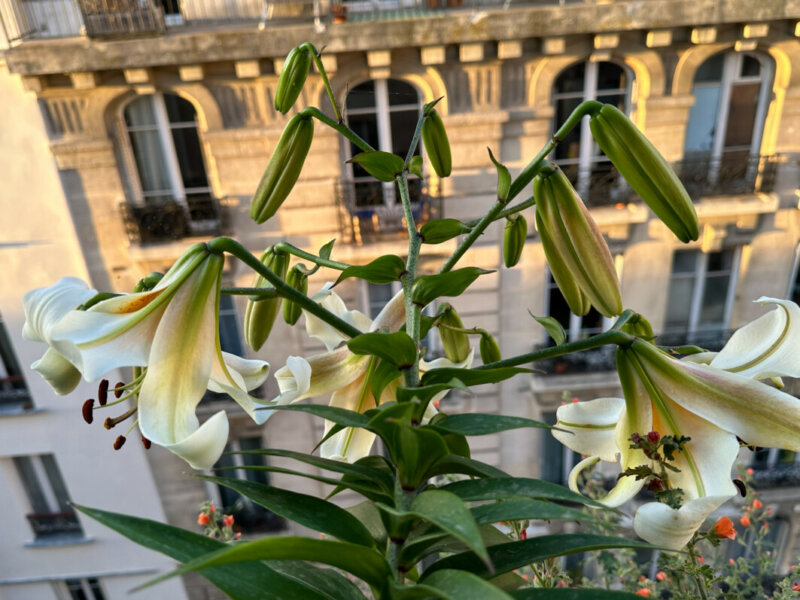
(15, 396)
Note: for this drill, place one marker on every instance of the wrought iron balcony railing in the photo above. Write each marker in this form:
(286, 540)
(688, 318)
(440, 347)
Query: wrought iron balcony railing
(732, 173)
(55, 525)
(170, 220)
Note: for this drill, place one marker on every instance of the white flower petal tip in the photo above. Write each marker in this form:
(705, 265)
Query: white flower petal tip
(589, 427)
(327, 334)
(667, 527)
(56, 370)
(44, 307)
(625, 489)
(202, 448)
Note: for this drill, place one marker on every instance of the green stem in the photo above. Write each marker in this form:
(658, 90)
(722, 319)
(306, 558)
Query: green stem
(340, 127)
(317, 260)
(413, 312)
(412, 147)
(602, 339)
(626, 316)
(258, 293)
(321, 68)
(223, 244)
(701, 584)
(472, 236)
(511, 210)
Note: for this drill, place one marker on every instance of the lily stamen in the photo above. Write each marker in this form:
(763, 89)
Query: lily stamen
(112, 422)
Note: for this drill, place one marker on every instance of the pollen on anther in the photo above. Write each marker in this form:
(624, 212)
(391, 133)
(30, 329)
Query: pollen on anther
(119, 442)
(86, 411)
(102, 393)
(108, 423)
(118, 389)
(146, 443)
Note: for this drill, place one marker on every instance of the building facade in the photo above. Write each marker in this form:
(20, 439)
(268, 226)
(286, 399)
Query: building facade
(159, 119)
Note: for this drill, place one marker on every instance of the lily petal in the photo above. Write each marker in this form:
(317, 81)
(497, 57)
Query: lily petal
(320, 374)
(203, 448)
(625, 489)
(56, 370)
(393, 315)
(327, 334)
(588, 427)
(664, 526)
(352, 443)
(234, 376)
(45, 307)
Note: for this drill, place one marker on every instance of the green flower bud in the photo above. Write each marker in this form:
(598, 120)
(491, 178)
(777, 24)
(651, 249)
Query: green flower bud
(293, 77)
(259, 316)
(574, 246)
(437, 145)
(299, 281)
(283, 169)
(456, 343)
(490, 351)
(645, 169)
(514, 239)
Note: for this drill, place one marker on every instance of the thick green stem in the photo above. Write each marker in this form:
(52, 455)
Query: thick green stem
(317, 260)
(511, 210)
(321, 68)
(338, 126)
(701, 584)
(223, 244)
(413, 312)
(257, 293)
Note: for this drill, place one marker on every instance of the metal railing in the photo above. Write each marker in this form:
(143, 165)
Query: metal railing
(60, 524)
(732, 173)
(170, 220)
(596, 360)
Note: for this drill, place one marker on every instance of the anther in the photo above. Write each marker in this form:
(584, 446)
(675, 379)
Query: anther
(112, 421)
(118, 389)
(119, 442)
(741, 487)
(102, 393)
(86, 411)
(146, 443)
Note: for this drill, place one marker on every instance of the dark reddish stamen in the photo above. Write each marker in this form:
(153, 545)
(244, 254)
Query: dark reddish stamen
(109, 423)
(741, 487)
(146, 443)
(119, 442)
(118, 389)
(86, 411)
(102, 393)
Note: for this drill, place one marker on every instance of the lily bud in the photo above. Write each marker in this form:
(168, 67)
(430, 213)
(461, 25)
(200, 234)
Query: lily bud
(514, 240)
(437, 145)
(645, 169)
(293, 77)
(578, 256)
(456, 343)
(283, 169)
(259, 316)
(490, 351)
(299, 281)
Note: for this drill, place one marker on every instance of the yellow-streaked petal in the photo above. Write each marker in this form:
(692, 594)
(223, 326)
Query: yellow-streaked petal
(662, 525)
(352, 443)
(320, 374)
(45, 307)
(202, 448)
(56, 370)
(326, 333)
(589, 427)
(393, 315)
(625, 489)
(233, 375)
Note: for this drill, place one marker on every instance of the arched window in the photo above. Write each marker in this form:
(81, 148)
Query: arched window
(726, 122)
(577, 154)
(383, 112)
(171, 193)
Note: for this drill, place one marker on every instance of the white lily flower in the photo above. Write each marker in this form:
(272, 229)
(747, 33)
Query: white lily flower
(172, 331)
(705, 402)
(345, 375)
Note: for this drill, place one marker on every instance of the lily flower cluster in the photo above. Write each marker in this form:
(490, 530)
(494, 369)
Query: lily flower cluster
(168, 334)
(711, 398)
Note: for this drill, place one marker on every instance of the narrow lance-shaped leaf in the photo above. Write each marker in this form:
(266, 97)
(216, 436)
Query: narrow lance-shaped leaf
(484, 424)
(452, 283)
(553, 327)
(384, 269)
(397, 348)
(383, 166)
(510, 487)
(441, 230)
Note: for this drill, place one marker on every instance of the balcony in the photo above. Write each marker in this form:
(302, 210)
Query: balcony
(365, 216)
(55, 526)
(597, 360)
(709, 339)
(732, 174)
(170, 220)
(14, 395)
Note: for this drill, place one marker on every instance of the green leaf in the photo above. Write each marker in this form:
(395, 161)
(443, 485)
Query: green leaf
(384, 374)
(329, 582)
(326, 250)
(428, 288)
(397, 348)
(517, 509)
(415, 166)
(462, 585)
(383, 166)
(552, 327)
(465, 466)
(510, 487)
(570, 594)
(503, 178)
(441, 230)
(309, 511)
(341, 416)
(368, 514)
(252, 581)
(471, 376)
(513, 555)
(484, 424)
(384, 269)
(426, 392)
(364, 563)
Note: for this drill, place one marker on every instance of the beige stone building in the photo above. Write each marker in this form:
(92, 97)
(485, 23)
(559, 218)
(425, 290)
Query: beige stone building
(159, 120)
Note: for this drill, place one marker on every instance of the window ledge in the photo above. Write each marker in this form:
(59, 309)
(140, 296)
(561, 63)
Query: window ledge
(20, 411)
(60, 541)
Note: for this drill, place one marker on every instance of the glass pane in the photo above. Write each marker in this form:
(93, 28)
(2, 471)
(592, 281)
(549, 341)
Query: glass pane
(30, 482)
(368, 193)
(75, 589)
(56, 482)
(190, 157)
(558, 307)
(715, 294)
(720, 261)
(591, 323)
(230, 340)
(403, 124)
(150, 161)
(750, 66)
(711, 70)
(140, 112)
(679, 303)
(362, 96)
(377, 297)
(97, 591)
(610, 76)
(366, 126)
(570, 146)
(571, 80)
(401, 92)
(702, 119)
(684, 261)
(179, 110)
(742, 114)
(254, 460)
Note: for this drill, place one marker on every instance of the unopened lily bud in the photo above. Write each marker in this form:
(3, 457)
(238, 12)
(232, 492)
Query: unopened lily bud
(259, 316)
(437, 145)
(283, 169)
(575, 249)
(490, 351)
(455, 342)
(299, 281)
(514, 239)
(646, 171)
(640, 327)
(293, 77)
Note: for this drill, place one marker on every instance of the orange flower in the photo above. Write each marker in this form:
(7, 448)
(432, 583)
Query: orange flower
(724, 528)
(661, 576)
(745, 521)
(757, 504)
(643, 592)
(203, 519)
(749, 471)
(228, 521)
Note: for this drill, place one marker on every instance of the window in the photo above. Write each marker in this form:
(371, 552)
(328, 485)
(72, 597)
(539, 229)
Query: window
(726, 122)
(230, 340)
(81, 589)
(247, 515)
(701, 291)
(577, 154)
(576, 327)
(14, 396)
(383, 112)
(51, 517)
